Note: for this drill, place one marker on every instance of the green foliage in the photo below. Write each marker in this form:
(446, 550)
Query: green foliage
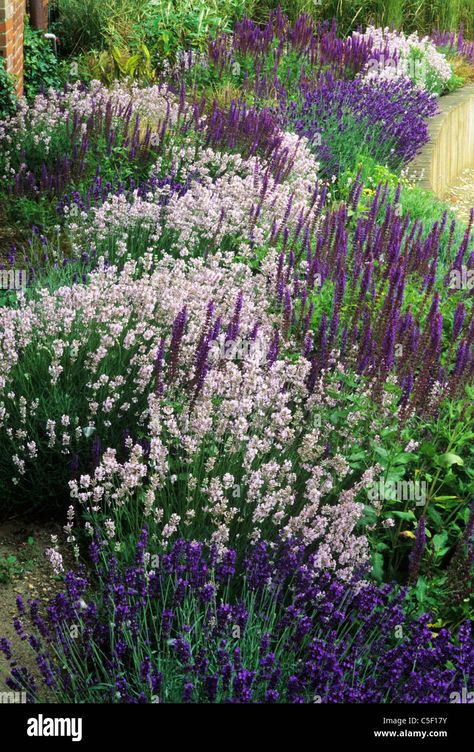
(117, 63)
(84, 25)
(455, 83)
(7, 92)
(8, 568)
(437, 480)
(12, 567)
(165, 26)
(409, 15)
(173, 25)
(41, 68)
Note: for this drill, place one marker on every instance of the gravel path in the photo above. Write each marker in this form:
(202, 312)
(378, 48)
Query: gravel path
(461, 194)
(29, 575)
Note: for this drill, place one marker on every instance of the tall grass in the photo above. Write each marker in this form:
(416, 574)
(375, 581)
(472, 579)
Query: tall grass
(90, 24)
(84, 25)
(409, 15)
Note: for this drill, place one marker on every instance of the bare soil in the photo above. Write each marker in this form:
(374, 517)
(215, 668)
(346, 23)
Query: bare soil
(26, 571)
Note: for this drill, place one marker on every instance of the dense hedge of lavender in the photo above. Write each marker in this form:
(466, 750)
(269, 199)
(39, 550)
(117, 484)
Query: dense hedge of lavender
(386, 120)
(185, 627)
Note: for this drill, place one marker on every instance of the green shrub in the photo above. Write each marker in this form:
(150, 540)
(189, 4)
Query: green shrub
(7, 92)
(172, 26)
(84, 25)
(164, 25)
(41, 65)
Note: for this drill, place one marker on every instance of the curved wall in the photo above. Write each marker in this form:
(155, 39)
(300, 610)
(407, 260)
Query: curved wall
(451, 146)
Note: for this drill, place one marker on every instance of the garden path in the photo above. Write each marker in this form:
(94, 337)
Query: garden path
(29, 575)
(461, 194)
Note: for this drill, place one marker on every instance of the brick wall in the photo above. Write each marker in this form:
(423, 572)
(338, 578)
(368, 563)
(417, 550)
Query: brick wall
(11, 38)
(12, 14)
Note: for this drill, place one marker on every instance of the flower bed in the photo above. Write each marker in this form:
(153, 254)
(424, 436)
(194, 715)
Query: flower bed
(241, 374)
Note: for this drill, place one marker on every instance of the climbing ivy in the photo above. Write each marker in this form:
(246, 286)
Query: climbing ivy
(41, 65)
(7, 92)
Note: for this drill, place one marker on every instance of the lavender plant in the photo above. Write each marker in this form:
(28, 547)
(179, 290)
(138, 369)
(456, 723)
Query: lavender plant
(383, 119)
(185, 626)
(66, 140)
(409, 57)
(454, 42)
(163, 405)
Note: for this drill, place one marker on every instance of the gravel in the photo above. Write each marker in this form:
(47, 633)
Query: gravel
(461, 194)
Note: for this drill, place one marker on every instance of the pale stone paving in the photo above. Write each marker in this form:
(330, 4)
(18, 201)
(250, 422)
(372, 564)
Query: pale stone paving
(461, 194)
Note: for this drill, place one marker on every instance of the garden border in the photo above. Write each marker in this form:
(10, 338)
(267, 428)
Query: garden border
(451, 146)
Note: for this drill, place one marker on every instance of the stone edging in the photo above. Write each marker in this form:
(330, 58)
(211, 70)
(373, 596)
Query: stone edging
(451, 146)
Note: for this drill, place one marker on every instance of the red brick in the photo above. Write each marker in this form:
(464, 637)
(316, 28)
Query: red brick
(11, 41)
